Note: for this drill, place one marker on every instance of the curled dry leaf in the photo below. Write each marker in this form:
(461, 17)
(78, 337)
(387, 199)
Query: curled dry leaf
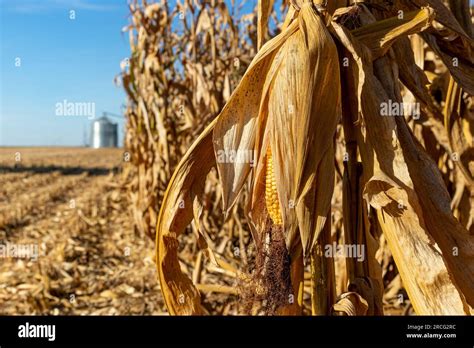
(409, 196)
(379, 36)
(180, 295)
(351, 304)
(453, 46)
(264, 11)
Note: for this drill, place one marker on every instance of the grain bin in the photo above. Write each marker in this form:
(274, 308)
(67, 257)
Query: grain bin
(103, 133)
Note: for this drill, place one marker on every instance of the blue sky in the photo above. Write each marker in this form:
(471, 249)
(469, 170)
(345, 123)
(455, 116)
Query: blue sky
(61, 59)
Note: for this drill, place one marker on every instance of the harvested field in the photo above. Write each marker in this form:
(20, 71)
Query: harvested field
(67, 211)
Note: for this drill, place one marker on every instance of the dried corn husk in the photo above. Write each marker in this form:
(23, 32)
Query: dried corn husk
(277, 98)
(350, 304)
(301, 110)
(235, 123)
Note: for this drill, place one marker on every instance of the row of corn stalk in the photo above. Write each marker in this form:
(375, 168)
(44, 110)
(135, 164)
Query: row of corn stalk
(185, 59)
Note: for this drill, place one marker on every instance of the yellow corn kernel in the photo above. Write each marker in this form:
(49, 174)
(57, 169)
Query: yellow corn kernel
(271, 193)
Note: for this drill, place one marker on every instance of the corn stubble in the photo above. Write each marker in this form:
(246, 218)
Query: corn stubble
(308, 107)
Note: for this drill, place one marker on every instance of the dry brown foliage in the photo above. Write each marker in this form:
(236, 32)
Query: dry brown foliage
(398, 182)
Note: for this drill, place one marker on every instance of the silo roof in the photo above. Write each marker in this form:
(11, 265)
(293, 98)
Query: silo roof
(104, 119)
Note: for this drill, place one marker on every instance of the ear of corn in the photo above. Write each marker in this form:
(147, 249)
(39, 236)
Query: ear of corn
(271, 193)
(303, 111)
(237, 123)
(231, 130)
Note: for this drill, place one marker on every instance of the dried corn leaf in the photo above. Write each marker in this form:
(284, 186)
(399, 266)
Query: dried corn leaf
(186, 184)
(379, 36)
(410, 197)
(412, 76)
(264, 11)
(418, 49)
(203, 22)
(443, 15)
(350, 304)
(333, 5)
(460, 65)
(453, 46)
(452, 120)
(461, 10)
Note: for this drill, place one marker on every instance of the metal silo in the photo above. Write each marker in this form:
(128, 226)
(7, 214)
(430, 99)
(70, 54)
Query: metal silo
(104, 133)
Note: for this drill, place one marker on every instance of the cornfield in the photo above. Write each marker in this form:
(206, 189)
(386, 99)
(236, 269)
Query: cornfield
(304, 157)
